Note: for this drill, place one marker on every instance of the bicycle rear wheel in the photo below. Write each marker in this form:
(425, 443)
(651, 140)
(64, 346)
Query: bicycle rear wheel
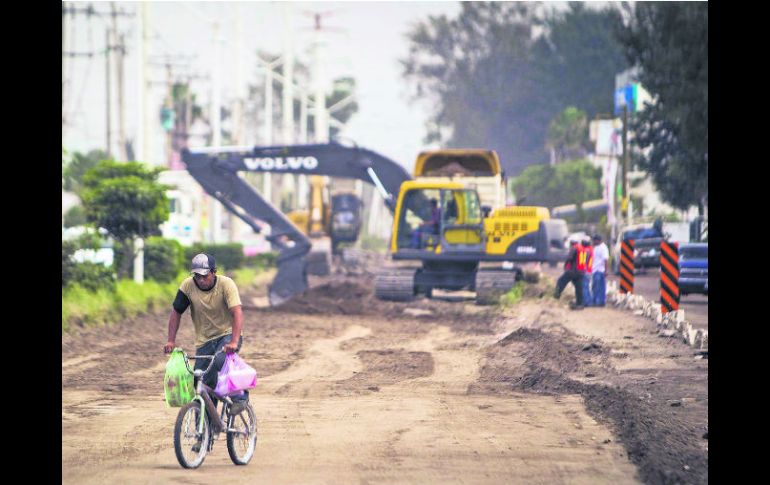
(242, 440)
(187, 438)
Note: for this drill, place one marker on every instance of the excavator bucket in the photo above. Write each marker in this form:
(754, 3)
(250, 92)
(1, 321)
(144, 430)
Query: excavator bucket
(290, 280)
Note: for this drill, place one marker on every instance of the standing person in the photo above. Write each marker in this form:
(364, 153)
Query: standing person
(571, 274)
(215, 309)
(599, 273)
(588, 258)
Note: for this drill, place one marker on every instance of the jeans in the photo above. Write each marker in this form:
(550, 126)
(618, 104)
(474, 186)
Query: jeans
(587, 289)
(599, 289)
(210, 377)
(577, 281)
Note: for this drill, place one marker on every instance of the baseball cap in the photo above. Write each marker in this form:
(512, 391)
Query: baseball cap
(203, 263)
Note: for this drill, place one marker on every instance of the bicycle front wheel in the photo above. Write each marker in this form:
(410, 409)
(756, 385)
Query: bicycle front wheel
(242, 436)
(190, 445)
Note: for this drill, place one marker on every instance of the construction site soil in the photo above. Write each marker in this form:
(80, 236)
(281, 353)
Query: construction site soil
(356, 390)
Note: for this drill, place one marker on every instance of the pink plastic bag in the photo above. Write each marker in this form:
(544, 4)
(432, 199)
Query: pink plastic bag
(235, 376)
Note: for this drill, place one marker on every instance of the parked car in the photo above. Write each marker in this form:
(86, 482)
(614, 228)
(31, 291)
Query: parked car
(694, 268)
(646, 246)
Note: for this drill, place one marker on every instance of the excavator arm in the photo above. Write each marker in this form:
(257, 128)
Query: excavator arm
(331, 159)
(216, 169)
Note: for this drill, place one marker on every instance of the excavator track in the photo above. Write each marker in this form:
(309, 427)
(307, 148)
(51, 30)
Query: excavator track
(395, 284)
(492, 284)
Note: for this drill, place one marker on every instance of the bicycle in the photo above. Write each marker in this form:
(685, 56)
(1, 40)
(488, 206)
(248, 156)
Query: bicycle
(198, 424)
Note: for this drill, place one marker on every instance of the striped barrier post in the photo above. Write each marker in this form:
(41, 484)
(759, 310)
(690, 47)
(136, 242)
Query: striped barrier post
(669, 277)
(627, 266)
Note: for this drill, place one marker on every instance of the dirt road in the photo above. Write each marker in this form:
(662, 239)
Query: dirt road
(353, 390)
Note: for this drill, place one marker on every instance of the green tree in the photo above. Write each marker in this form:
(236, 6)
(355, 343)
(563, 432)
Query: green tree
(568, 134)
(494, 83)
(572, 182)
(669, 42)
(74, 170)
(475, 71)
(578, 57)
(126, 200)
(75, 216)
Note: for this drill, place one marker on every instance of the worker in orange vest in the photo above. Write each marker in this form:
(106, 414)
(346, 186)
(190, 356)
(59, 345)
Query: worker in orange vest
(585, 267)
(572, 274)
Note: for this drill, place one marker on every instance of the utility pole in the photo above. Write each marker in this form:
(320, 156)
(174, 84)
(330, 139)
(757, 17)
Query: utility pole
(321, 124)
(267, 182)
(303, 117)
(287, 110)
(107, 57)
(64, 49)
(169, 104)
(625, 201)
(144, 85)
(234, 223)
(143, 128)
(120, 51)
(216, 125)
(68, 9)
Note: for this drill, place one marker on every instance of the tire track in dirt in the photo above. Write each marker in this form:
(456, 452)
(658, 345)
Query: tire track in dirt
(323, 363)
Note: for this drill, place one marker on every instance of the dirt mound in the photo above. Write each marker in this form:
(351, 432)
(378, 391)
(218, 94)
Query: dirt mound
(658, 441)
(355, 296)
(346, 298)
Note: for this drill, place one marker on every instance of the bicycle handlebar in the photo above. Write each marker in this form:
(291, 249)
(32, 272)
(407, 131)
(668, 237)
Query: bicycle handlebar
(211, 357)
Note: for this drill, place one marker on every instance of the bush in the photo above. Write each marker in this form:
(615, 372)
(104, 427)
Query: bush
(261, 260)
(163, 258)
(75, 216)
(228, 256)
(89, 276)
(92, 276)
(513, 296)
(68, 248)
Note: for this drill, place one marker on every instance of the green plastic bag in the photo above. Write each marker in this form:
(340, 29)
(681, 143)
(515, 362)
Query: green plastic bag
(178, 383)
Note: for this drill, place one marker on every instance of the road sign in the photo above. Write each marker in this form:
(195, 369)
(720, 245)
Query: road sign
(626, 96)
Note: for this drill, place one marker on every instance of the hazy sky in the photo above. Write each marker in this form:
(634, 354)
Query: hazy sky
(367, 40)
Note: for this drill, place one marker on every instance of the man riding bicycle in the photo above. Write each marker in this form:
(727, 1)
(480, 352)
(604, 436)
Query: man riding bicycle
(215, 309)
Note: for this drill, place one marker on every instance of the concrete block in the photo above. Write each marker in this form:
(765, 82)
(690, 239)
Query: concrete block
(679, 315)
(698, 344)
(692, 334)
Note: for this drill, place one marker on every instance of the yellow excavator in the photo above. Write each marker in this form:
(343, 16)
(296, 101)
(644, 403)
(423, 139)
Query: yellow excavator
(454, 221)
(329, 221)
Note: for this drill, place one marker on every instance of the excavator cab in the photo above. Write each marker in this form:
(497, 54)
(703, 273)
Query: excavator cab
(437, 218)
